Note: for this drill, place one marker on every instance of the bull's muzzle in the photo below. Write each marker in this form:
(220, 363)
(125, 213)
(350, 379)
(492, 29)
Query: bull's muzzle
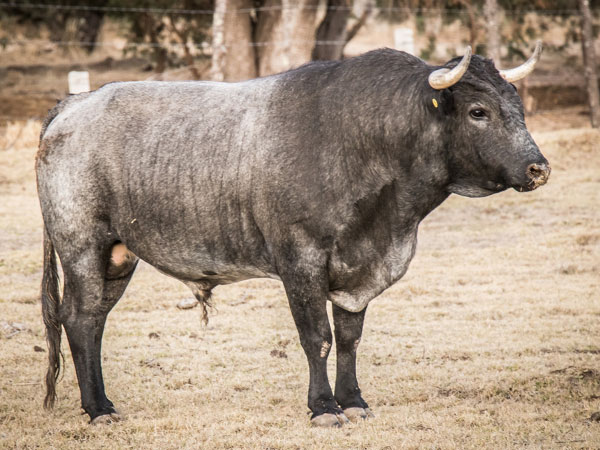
(537, 174)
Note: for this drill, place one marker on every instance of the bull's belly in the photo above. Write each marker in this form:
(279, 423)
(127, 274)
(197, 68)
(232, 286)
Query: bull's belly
(191, 248)
(352, 286)
(214, 272)
(353, 298)
(188, 265)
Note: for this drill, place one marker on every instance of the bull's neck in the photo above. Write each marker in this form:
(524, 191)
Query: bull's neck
(394, 144)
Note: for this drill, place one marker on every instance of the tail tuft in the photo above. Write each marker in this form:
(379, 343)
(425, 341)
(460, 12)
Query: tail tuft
(50, 304)
(206, 304)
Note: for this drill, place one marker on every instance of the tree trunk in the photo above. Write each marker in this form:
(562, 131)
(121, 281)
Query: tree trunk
(491, 12)
(241, 55)
(473, 29)
(471, 11)
(183, 38)
(366, 12)
(217, 70)
(589, 61)
(285, 34)
(281, 37)
(88, 28)
(153, 28)
(331, 34)
(234, 57)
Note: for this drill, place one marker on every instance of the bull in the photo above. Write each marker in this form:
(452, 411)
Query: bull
(318, 177)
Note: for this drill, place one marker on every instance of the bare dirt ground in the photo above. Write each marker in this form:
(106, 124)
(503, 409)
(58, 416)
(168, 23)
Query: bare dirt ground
(492, 339)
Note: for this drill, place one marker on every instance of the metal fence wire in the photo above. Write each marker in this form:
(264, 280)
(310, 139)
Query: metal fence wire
(16, 43)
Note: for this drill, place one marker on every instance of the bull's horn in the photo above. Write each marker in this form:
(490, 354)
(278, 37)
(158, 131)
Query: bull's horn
(512, 75)
(443, 78)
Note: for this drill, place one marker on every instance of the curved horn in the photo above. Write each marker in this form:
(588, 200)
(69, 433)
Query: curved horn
(443, 78)
(512, 75)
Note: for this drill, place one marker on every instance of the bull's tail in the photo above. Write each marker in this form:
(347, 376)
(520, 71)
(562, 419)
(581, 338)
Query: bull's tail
(50, 304)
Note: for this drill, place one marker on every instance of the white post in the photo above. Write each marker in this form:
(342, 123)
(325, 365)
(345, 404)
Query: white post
(404, 40)
(79, 82)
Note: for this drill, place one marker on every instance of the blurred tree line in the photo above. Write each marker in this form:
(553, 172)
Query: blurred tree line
(478, 15)
(154, 22)
(250, 38)
(252, 23)
(248, 26)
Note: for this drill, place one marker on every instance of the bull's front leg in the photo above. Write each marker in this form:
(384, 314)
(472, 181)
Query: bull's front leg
(348, 330)
(307, 294)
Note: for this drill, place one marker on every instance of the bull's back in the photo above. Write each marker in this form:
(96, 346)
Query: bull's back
(169, 166)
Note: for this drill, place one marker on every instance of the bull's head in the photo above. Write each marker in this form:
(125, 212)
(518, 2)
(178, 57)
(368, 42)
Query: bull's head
(489, 147)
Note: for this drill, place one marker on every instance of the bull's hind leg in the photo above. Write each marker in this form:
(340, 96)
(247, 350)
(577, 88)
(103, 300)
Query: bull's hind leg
(93, 285)
(348, 330)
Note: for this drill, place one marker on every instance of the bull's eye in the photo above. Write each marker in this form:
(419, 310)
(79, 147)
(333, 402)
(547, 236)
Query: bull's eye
(478, 113)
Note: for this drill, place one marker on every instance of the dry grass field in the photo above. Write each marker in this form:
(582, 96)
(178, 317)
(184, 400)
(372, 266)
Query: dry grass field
(492, 339)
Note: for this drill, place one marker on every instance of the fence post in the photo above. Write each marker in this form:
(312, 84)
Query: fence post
(589, 62)
(78, 82)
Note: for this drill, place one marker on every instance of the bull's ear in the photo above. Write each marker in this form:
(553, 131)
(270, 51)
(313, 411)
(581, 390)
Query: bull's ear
(441, 102)
(447, 101)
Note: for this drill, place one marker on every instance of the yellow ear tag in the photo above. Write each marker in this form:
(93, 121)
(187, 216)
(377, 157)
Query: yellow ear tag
(434, 101)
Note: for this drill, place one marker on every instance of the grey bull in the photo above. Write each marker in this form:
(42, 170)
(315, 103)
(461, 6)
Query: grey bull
(318, 177)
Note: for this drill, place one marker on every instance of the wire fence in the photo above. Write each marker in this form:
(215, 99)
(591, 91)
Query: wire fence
(55, 80)
(377, 10)
(204, 46)
(174, 45)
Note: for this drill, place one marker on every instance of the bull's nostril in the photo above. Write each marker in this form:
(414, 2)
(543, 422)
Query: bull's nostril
(538, 171)
(534, 171)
